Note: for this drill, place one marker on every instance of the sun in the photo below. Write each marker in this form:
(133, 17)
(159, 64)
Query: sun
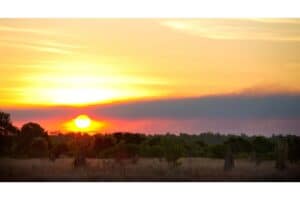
(83, 124)
(82, 121)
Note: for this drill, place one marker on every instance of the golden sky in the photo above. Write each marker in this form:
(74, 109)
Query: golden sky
(90, 61)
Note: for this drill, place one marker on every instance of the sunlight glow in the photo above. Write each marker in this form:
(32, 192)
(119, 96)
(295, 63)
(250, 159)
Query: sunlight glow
(110, 60)
(80, 88)
(83, 123)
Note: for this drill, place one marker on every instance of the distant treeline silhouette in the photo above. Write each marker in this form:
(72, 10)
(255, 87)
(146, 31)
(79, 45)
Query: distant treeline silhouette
(32, 141)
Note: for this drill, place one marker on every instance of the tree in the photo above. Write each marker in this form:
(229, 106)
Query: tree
(6, 125)
(29, 132)
(4, 119)
(32, 130)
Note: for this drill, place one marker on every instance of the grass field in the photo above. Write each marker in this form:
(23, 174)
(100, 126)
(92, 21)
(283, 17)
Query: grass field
(191, 169)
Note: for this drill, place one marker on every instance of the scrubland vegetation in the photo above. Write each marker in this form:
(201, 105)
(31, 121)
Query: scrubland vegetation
(190, 169)
(30, 153)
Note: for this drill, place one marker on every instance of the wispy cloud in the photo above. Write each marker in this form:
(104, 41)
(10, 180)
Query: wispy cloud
(39, 45)
(52, 43)
(24, 30)
(239, 29)
(43, 40)
(277, 20)
(40, 48)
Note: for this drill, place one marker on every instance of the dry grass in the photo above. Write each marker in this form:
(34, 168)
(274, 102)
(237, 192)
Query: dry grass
(145, 169)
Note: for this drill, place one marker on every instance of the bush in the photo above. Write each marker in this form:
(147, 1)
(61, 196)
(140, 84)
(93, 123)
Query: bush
(293, 148)
(216, 151)
(79, 160)
(103, 142)
(281, 154)
(173, 150)
(262, 149)
(228, 159)
(6, 145)
(155, 151)
(262, 145)
(39, 147)
(58, 150)
(239, 145)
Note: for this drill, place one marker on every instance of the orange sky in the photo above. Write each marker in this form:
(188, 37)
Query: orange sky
(81, 62)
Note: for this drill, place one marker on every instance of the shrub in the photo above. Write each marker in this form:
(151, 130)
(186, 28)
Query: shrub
(228, 159)
(281, 154)
(38, 147)
(239, 145)
(262, 148)
(173, 150)
(155, 151)
(293, 148)
(216, 151)
(58, 150)
(103, 142)
(79, 160)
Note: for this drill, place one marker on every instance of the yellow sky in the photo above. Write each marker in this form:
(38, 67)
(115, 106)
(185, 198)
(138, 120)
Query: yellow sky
(78, 62)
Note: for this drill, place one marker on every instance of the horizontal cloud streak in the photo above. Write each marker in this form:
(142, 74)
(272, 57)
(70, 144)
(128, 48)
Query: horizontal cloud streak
(24, 30)
(227, 106)
(263, 114)
(42, 46)
(264, 107)
(238, 29)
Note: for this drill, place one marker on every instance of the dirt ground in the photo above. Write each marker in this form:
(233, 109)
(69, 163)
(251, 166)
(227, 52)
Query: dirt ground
(190, 169)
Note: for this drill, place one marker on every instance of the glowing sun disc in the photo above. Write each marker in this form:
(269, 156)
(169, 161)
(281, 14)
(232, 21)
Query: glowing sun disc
(82, 121)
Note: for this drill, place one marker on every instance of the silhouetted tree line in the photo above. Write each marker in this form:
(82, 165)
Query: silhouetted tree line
(33, 141)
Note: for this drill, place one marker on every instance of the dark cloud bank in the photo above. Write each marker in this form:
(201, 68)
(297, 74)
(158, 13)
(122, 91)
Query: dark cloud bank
(236, 106)
(226, 107)
(265, 107)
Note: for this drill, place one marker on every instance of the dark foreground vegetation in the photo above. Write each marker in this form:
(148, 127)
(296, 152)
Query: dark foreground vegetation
(117, 151)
